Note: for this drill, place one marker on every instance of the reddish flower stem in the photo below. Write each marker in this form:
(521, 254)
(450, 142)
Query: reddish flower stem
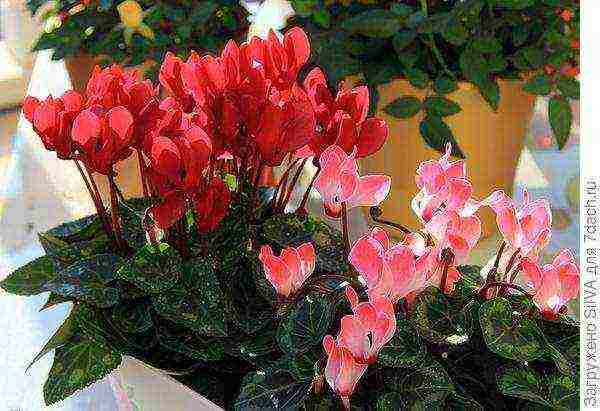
(499, 255)
(143, 176)
(96, 199)
(512, 260)
(484, 289)
(345, 231)
(291, 186)
(114, 205)
(447, 258)
(282, 182)
(302, 206)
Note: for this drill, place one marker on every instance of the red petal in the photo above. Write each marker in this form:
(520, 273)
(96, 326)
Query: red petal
(120, 121)
(169, 211)
(86, 129)
(373, 134)
(297, 46)
(29, 106)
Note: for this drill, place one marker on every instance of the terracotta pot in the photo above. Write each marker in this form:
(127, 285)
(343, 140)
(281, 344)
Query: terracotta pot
(491, 141)
(79, 68)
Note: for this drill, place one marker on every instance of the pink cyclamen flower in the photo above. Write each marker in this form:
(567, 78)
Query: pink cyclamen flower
(371, 326)
(391, 272)
(289, 271)
(443, 184)
(555, 284)
(458, 233)
(342, 372)
(526, 227)
(339, 182)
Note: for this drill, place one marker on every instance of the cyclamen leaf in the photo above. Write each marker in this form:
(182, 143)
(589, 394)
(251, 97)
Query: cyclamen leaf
(189, 344)
(278, 390)
(428, 385)
(76, 365)
(154, 270)
(445, 85)
(59, 338)
(201, 309)
(87, 280)
(405, 349)
(133, 317)
(515, 4)
(569, 87)
(31, 278)
(440, 319)
(85, 228)
(53, 299)
(516, 338)
(306, 325)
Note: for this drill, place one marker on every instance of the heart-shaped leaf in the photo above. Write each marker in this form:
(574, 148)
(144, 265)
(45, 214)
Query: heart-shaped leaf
(153, 269)
(509, 334)
(181, 340)
(429, 384)
(440, 319)
(59, 338)
(305, 325)
(406, 348)
(278, 390)
(132, 316)
(556, 391)
(76, 365)
(31, 278)
(83, 229)
(87, 280)
(201, 309)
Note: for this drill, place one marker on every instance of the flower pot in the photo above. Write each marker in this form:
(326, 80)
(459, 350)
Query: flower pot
(491, 141)
(79, 68)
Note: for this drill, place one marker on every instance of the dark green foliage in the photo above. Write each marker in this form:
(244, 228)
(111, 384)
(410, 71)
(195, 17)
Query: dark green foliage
(209, 317)
(179, 27)
(435, 44)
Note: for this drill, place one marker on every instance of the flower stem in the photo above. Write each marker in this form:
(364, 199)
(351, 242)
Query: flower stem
(114, 205)
(447, 258)
(345, 232)
(96, 199)
(302, 206)
(483, 290)
(143, 176)
(291, 186)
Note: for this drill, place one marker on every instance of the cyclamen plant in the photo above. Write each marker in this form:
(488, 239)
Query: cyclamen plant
(213, 277)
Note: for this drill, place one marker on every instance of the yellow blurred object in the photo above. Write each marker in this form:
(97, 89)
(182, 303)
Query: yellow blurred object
(491, 141)
(132, 17)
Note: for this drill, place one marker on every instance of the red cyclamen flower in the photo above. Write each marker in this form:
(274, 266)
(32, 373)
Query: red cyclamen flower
(52, 120)
(343, 121)
(103, 137)
(211, 205)
(339, 182)
(555, 284)
(290, 270)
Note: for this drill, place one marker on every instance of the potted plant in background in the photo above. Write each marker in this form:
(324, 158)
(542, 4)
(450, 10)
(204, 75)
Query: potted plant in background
(210, 279)
(465, 72)
(133, 33)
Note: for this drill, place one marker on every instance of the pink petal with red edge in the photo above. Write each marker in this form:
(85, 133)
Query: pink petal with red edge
(382, 236)
(430, 176)
(308, 259)
(276, 271)
(367, 257)
(372, 190)
(354, 337)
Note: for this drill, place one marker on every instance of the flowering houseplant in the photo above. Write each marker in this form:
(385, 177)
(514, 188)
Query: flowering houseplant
(435, 44)
(132, 32)
(212, 278)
